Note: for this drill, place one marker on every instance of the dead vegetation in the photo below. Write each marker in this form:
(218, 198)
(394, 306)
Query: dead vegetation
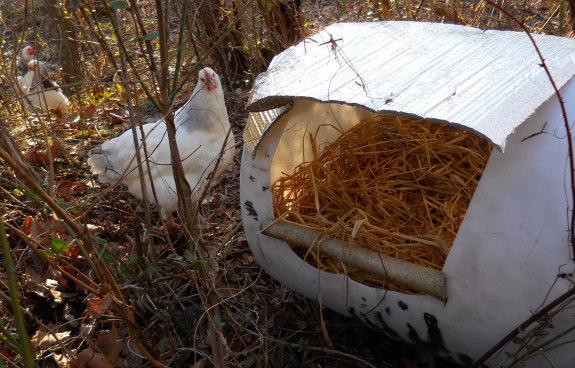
(93, 278)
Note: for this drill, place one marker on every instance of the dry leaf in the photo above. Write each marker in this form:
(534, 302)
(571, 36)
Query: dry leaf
(89, 111)
(44, 339)
(36, 228)
(51, 286)
(98, 306)
(32, 279)
(88, 358)
(217, 197)
(67, 189)
(43, 157)
(26, 225)
(111, 344)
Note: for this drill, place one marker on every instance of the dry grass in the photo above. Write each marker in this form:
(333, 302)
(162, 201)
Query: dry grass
(396, 185)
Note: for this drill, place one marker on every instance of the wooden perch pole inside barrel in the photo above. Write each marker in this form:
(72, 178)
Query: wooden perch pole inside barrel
(425, 280)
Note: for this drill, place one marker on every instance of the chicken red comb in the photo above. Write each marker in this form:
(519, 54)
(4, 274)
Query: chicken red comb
(207, 73)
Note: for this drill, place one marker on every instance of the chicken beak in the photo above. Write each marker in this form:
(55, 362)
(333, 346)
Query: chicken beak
(211, 83)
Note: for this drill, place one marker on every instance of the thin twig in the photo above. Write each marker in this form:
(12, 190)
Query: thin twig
(536, 316)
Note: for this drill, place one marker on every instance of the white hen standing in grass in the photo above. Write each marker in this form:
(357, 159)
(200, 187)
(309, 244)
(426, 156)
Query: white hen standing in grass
(202, 126)
(42, 92)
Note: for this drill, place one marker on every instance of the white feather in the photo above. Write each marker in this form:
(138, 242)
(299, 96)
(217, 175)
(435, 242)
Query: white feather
(21, 82)
(202, 127)
(51, 99)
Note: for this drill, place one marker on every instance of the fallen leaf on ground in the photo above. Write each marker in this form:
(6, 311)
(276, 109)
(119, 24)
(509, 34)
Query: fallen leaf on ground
(98, 306)
(88, 358)
(43, 157)
(111, 344)
(44, 339)
(67, 189)
(31, 278)
(89, 111)
(26, 225)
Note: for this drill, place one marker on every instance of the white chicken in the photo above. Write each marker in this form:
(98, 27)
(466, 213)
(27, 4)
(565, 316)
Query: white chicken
(41, 91)
(202, 127)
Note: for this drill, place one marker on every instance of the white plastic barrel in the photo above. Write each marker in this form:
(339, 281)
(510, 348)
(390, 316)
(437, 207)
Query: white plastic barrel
(512, 250)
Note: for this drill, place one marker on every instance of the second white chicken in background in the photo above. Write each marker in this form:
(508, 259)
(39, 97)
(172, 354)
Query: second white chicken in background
(41, 91)
(202, 133)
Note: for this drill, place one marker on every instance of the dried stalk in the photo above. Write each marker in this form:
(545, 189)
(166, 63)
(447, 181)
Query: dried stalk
(421, 279)
(10, 270)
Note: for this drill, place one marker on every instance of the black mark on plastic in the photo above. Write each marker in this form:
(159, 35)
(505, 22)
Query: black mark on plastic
(251, 211)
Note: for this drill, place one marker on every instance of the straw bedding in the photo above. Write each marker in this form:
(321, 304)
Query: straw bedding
(396, 185)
